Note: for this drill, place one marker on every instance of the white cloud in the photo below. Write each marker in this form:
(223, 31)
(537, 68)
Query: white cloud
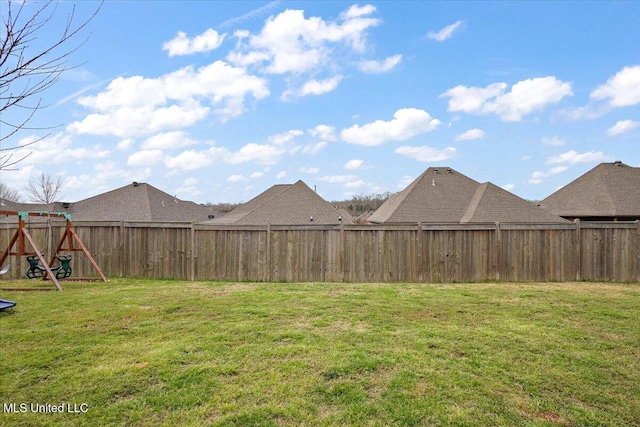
(426, 154)
(190, 181)
(622, 126)
(310, 170)
(188, 188)
(537, 177)
(313, 87)
(291, 43)
(188, 160)
(281, 175)
(56, 149)
(168, 141)
(284, 137)
(205, 42)
(573, 157)
(621, 90)
(405, 181)
(128, 122)
(195, 159)
(554, 141)
(524, 97)
(324, 132)
(318, 87)
(378, 67)
(257, 174)
(444, 33)
(353, 164)
(125, 144)
(472, 99)
(145, 158)
(355, 11)
(236, 178)
(313, 149)
(406, 123)
(470, 135)
(135, 106)
(354, 184)
(258, 153)
(508, 187)
(103, 178)
(588, 112)
(347, 181)
(337, 179)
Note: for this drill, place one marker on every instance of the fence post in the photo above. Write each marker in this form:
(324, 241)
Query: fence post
(578, 246)
(123, 246)
(638, 250)
(498, 249)
(420, 256)
(342, 252)
(192, 255)
(268, 254)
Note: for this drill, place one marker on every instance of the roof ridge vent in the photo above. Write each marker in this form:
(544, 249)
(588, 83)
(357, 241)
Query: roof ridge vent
(618, 163)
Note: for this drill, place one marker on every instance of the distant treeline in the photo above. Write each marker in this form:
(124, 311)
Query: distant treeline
(356, 206)
(360, 204)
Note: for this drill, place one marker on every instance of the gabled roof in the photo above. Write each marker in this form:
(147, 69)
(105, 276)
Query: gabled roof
(138, 202)
(133, 202)
(491, 203)
(607, 190)
(443, 195)
(285, 204)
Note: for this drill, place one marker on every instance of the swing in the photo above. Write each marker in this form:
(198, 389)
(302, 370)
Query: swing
(62, 270)
(3, 302)
(5, 269)
(36, 270)
(69, 242)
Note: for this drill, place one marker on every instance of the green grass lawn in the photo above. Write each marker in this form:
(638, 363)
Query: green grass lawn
(148, 353)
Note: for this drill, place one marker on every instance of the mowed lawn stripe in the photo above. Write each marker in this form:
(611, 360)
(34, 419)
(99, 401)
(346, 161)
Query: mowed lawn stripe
(142, 353)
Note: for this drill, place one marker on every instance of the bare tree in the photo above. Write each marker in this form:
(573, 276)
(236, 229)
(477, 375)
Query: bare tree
(8, 193)
(29, 66)
(44, 189)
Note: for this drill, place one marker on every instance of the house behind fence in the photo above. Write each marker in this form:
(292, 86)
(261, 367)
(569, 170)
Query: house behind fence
(441, 228)
(355, 253)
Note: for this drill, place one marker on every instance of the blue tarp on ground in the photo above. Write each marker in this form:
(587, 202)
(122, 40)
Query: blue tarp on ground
(6, 304)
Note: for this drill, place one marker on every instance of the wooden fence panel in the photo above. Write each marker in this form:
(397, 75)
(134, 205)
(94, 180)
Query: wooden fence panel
(303, 254)
(537, 254)
(457, 255)
(609, 252)
(230, 254)
(359, 264)
(350, 253)
(105, 245)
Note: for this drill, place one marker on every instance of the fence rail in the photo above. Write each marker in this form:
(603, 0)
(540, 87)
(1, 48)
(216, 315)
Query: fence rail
(352, 253)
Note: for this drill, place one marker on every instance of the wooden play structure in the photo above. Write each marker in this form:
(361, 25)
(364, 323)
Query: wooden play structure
(38, 265)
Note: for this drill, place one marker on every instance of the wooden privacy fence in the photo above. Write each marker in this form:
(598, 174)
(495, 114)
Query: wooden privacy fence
(357, 253)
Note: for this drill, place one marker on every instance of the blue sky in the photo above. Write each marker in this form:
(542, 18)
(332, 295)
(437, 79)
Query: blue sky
(217, 101)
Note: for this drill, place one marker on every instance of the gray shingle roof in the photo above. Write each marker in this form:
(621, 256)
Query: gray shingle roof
(285, 204)
(138, 202)
(133, 202)
(607, 190)
(443, 195)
